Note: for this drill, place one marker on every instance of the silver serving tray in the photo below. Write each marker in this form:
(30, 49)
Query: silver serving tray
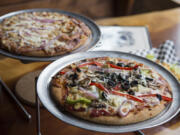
(95, 36)
(44, 93)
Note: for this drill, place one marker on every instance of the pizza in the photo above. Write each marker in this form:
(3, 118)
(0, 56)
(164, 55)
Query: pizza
(110, 90)
(42, 34)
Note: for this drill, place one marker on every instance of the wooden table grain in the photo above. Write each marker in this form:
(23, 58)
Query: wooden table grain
(162, 25)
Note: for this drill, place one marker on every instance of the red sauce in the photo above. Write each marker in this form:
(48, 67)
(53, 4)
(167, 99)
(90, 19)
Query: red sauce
(97, 113)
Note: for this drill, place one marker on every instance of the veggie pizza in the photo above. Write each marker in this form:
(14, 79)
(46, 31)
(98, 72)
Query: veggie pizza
(111, 90)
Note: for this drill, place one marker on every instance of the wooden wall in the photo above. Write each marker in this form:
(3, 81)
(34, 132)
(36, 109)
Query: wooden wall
(91, 8)
(94, 9)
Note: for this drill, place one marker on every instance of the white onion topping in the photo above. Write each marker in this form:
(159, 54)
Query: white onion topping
(125, 107)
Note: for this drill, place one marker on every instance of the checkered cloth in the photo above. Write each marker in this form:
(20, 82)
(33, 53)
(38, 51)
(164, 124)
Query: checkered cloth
(165, 53)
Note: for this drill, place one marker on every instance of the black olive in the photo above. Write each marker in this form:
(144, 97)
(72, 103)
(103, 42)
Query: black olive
(110, 62)
(159, 97)
(122, 77)
(134, 83)
(84, 60)
(99, 72)
(138, 76)
(101, 78)
(74, 76)
(78, 69)
(125, 85)
(130, 65)
(104, 95)
(127, 65)
(107, 75)
(120, 64)
(111, 83)
(98, 105)
(131, 92)
(73, 84)
(149, 79)
(114, 77)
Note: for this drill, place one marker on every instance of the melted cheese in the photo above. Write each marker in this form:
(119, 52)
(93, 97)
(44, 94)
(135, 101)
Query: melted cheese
(40, 28)
(116, 100)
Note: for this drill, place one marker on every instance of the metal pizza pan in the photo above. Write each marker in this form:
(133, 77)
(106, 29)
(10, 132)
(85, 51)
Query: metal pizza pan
(46, 75)
(94, 38)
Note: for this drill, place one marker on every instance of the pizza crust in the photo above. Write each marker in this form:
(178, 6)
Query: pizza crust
(132, 117)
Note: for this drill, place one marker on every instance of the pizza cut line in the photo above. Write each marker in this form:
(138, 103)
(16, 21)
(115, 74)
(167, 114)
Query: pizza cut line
(42, 34)
(111, 90)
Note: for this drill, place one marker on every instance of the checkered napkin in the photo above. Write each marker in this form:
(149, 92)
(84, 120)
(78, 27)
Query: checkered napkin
(165, 53)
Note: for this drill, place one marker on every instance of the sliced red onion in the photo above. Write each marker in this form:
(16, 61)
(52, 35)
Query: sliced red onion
(75, 36)
(112, 70)
(68, 73)
(43, 44)
(89, 94)
(69, 46)
(75, 21)
(44, 20)
(27, 33)
(158, 81)
(36, 29)
(121, 107)
(57, 37)
(24, 33)
(95, 68)
(51, 41)
(108, 70)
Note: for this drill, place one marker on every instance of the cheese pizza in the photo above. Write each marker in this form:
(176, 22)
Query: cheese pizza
(42, 34)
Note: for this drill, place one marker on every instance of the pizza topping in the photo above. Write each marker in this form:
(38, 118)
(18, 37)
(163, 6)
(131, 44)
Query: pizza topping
(100, 86)
(91, 63)
(80, 100)
(131, 92)
(96, 104)
(104, 96)
(124, 68)
(160, 97)
(125, 108)
(89, 94)
(128, 96)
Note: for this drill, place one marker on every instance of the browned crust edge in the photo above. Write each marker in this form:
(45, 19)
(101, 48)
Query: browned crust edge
(132, 117)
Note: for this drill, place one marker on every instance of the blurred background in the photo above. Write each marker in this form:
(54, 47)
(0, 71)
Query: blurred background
(94, 9)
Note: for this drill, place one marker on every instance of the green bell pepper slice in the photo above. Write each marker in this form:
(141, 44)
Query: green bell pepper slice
(80, 100)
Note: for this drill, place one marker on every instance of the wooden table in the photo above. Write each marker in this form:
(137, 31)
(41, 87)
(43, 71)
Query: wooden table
(162, 26)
